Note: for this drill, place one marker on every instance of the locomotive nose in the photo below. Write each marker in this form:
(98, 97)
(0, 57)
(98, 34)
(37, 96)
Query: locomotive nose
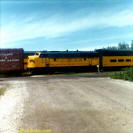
(31, 62)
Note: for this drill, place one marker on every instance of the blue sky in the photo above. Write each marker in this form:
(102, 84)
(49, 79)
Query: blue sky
(65, 24)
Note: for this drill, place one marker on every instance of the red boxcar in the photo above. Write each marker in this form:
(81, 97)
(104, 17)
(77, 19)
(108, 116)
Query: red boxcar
(11, 60)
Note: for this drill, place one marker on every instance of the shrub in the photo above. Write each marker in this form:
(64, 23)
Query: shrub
(126, 74)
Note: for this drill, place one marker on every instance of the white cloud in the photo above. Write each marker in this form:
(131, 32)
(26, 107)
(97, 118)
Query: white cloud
(55, 26)
(124, 18)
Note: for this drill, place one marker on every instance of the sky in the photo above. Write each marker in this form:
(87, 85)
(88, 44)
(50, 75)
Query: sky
(65, 24)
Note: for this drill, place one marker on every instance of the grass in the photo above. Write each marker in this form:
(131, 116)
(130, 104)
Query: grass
(125, 74)
(2, 91)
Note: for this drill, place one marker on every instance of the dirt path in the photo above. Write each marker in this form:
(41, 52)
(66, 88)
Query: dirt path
(12, 105)
(73, 104)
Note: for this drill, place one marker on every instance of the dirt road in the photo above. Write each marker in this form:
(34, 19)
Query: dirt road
(69, 104)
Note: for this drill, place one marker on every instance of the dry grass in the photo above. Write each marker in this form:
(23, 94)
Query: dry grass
(2, 91)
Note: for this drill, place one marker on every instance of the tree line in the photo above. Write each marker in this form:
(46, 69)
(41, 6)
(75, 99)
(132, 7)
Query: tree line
(122, 46)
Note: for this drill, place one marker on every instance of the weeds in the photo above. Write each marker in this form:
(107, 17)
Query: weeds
(126, 74)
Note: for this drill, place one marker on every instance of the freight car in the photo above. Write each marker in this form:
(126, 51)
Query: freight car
(11, 60)
(14, 60)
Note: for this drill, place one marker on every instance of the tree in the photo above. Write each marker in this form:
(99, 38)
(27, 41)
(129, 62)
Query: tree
(123, 46)
(132, 44)
(112, 48)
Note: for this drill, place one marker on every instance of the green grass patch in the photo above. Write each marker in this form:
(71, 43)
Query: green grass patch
(125, 74)
(2, 91)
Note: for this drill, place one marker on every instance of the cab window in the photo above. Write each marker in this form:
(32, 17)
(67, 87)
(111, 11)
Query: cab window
(36, 53)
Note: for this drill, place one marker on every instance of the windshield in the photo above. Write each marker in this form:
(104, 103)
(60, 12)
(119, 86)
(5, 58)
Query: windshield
(37, 54)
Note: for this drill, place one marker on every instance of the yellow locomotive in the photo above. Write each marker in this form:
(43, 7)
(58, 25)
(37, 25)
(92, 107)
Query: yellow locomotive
(62, 59)
(50, 60)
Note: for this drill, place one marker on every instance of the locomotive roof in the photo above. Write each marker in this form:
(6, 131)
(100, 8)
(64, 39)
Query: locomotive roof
(107, 52)
(67, 54)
